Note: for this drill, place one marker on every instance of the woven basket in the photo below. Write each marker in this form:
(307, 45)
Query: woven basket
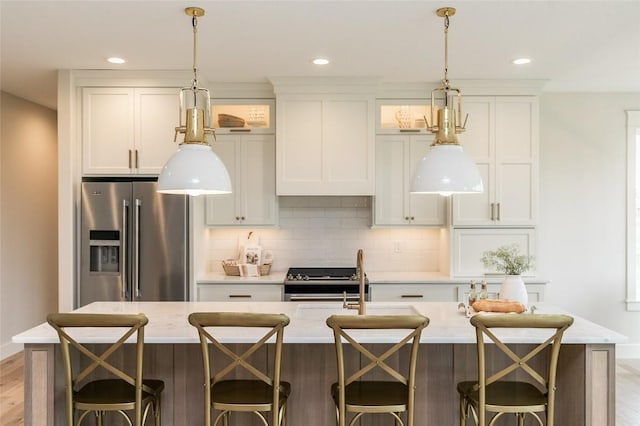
(234, 270)
(227, 120)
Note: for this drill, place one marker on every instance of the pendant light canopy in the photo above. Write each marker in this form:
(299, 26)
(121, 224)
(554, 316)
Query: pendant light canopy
(194, 169)
(446, 169)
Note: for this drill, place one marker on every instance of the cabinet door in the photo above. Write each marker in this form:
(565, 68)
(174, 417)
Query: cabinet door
(157, 116)
(397, 157)
(258, 188)
(478, 142)
(325, 145)
(223, 209)
(250, 160)
(390, 205)
(107, 130)
(503, 140)
(516, 161)
(424, 209)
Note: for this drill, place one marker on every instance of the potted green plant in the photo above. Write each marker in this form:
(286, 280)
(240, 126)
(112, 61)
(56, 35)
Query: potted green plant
(508, 259)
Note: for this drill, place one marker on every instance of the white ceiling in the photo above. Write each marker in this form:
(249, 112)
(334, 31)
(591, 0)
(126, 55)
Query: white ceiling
(575, 45)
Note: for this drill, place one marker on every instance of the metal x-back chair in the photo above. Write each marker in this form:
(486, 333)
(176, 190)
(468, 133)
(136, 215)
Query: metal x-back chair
(123, 393)
(264, 392)
(492, 393)
(354, 395)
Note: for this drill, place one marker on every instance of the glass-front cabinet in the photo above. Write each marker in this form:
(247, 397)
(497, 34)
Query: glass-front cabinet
(403, 116)
(243, 115)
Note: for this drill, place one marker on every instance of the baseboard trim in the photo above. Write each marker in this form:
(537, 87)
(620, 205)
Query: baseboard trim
(627, 350)
(9, 349)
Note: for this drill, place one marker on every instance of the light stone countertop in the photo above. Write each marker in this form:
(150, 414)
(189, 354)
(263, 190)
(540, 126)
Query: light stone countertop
(375, 277)
(168, 323)
(277, 277)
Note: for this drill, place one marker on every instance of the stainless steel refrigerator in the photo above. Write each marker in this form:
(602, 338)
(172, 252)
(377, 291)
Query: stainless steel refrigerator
(134, 243)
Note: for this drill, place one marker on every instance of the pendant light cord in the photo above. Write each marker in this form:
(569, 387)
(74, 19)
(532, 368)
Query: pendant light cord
(446, 50)
(194, 23)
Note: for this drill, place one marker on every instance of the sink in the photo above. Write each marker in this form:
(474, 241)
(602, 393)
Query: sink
(320, 311)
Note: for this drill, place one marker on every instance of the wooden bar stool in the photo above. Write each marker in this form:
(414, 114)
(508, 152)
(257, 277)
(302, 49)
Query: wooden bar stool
(494, 392)
(125, 392)
(264, 392)
(350, 393)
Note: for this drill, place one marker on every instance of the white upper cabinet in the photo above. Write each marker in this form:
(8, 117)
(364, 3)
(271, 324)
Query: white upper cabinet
(250, 160)
(128, 130)
(396, 159)
(325, 144)
(502, 138)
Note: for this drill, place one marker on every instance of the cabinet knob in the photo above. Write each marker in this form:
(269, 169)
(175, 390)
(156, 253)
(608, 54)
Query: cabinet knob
(413, 218)
(237, 217)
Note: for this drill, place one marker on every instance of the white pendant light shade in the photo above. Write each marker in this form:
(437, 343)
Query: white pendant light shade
(195, 170)
(446, 169)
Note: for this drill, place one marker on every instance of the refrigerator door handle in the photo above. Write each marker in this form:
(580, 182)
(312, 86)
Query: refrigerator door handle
(136, 248)
(124, 238)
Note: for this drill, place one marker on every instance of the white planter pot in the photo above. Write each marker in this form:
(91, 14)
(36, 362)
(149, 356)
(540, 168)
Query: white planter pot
(513, 288)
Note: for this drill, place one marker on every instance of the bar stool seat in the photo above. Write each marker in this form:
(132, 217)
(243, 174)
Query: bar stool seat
(250, 392)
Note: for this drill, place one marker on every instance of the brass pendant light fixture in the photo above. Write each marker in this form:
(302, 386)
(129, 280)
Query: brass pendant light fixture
(445, 168)
(194, 169)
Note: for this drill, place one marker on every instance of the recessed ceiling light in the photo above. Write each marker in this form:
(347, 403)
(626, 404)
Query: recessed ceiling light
(522, 61)
(116, 60)
(320, 61)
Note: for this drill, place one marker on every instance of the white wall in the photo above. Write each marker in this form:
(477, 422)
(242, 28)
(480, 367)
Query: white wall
(28, 217)
(582, 206)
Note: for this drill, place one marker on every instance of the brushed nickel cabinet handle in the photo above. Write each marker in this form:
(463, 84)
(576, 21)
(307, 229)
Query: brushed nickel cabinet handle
(130, 160)
(239, 130)
(498, 215)
(493, 211)
(409, 130)
(412, 296)
(137, 160)
(240, 296)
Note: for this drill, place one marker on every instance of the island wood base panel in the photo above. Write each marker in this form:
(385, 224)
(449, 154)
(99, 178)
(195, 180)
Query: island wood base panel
(585, 395)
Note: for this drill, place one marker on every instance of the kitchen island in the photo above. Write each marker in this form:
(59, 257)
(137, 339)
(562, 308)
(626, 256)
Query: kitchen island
(586, 376)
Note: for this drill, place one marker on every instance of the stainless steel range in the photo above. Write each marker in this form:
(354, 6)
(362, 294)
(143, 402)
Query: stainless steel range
(322, 284)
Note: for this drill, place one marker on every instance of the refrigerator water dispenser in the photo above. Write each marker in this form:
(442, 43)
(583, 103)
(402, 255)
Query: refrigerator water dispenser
(104, 251)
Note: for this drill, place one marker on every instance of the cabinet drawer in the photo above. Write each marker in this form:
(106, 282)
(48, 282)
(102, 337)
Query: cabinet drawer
(239, 293)
(413, 293)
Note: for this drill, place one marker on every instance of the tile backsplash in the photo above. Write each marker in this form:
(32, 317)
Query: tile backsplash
(328, 231)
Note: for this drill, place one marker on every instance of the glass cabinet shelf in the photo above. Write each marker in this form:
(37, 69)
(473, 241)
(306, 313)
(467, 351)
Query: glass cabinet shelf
(403, 116)
(242, 115)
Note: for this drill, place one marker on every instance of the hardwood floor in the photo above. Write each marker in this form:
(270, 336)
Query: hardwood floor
(628, 392)
(12, 391)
